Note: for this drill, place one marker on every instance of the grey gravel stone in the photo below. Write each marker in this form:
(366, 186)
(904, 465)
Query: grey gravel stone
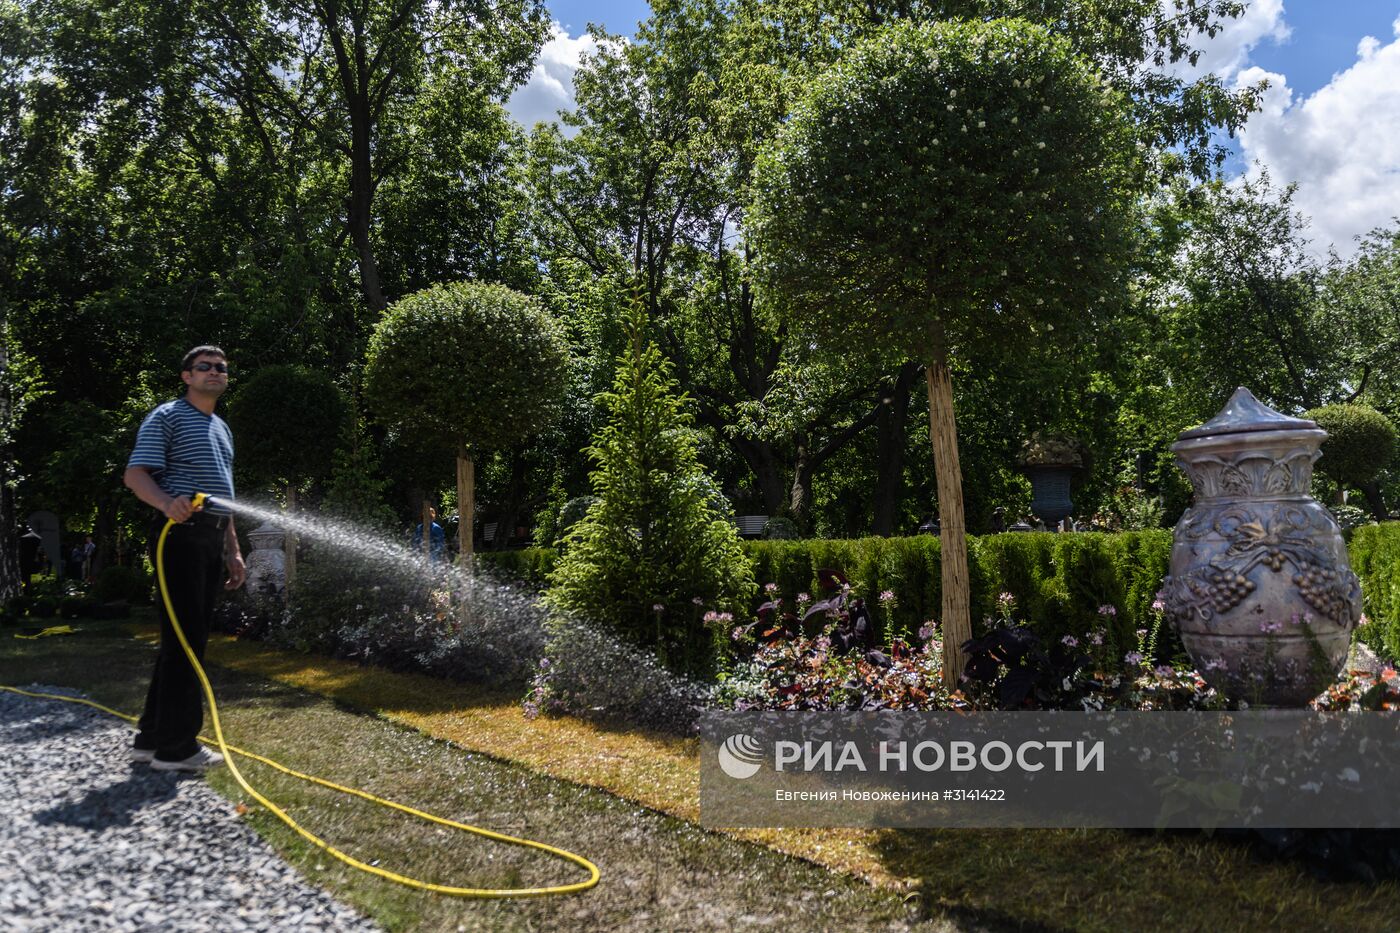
(90, 841)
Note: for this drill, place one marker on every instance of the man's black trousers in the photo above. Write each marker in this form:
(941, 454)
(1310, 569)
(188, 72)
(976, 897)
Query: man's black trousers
(194, 570)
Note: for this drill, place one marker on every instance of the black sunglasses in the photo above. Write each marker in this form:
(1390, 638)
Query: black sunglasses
(203, 367)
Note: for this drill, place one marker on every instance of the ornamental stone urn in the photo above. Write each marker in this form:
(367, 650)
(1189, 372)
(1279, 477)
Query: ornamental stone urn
(267, 564)
(1259, 587)
(1051, 463)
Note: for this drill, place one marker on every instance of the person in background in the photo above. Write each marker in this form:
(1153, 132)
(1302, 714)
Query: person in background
(437, 545)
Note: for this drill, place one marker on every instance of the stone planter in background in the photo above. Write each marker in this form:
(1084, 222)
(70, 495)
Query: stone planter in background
(1052, 464)
(266, 563)
(1259, 586)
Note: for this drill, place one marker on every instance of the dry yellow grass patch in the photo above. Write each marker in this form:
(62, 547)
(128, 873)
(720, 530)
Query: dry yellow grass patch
(653, 769)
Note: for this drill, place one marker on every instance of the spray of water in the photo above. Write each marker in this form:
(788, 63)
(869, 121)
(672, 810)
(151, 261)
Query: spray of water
(391, 603)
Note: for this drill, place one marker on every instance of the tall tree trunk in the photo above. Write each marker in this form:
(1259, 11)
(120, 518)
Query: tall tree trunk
(768, 474)
(289, 547)
(362, 200)
(9, 521)
(511, 503)
(1372, 492)
(104, 534)
(466, 503)
(425, 524)
(800, 497)
(943, 430)
(889, 451)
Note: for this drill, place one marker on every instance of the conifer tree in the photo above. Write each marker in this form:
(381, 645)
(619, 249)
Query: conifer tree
(653, 556)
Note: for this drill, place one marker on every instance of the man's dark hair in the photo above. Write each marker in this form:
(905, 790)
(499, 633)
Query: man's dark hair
(197, 352)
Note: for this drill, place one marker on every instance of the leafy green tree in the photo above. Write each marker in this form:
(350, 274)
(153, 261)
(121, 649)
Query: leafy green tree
(480, 365)
(653, 545)
(1251, 314)
(943, 186)
(649, 188)
(356, 488)
(1361, 298)
(1360, 443)
(287, 422)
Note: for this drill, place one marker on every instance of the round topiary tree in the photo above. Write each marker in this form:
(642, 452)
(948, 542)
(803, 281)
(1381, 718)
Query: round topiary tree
(1360, 443)
(481, 364)
(946, 186)
(287, 422)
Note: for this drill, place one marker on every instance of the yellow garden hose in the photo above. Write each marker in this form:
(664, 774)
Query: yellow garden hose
(229, 751)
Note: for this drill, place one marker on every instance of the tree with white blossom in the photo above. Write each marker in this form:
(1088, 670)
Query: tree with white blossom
(944, 186)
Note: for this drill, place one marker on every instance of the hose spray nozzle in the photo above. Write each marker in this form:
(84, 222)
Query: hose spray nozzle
(198, 500)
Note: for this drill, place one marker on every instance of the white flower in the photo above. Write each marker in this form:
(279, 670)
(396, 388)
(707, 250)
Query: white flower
(951, 108)
(1044, 108)
(1040, 145)
(1015, 120)
(953, 93)
(981, 124)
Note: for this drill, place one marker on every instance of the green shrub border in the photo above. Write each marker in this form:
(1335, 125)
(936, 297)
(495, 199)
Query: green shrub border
(1059, 580)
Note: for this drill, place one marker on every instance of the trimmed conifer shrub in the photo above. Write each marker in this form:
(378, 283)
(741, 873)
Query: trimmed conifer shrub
(652, 557)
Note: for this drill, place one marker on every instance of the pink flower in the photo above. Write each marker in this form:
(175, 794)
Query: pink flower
(1096, 638)
(1070, 640)
(770, 587)
(1158, 605)
(711, 616)
(657, 607)
(1164, 670)
(1108, 609)
(887, 596)
(1005, 599)
(1132, 658)
(803, 598)
(698, 601)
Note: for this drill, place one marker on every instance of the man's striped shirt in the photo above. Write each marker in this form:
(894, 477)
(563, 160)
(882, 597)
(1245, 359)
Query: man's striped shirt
(186, 452)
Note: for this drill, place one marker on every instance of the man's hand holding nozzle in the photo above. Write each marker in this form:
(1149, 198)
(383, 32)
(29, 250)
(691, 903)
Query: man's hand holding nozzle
(178, 509)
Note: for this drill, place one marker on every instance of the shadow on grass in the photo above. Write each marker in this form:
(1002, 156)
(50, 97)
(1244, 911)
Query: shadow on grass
(1050, 879)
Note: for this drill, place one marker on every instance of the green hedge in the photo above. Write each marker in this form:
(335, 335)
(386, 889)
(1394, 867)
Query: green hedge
(529, 565)
(1375, 556)
(1059, 580)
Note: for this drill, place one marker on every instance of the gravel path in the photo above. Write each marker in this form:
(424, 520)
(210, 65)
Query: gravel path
(90, 841)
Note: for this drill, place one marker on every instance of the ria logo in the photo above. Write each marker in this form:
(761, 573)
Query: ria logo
(740, 756)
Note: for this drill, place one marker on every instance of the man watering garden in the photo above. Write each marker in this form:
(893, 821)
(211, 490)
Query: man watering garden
(183, 448)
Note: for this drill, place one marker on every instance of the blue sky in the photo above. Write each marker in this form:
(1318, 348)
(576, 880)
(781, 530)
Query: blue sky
(1330, 121)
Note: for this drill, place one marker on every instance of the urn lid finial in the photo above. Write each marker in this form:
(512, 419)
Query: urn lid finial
(1245, 413)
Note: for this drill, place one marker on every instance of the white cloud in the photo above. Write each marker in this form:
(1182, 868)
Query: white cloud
(551, 85)
(1341, 145)
(1228, 52)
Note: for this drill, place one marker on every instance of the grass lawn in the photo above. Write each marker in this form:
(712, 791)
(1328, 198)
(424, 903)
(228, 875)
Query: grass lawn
(659, 871)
